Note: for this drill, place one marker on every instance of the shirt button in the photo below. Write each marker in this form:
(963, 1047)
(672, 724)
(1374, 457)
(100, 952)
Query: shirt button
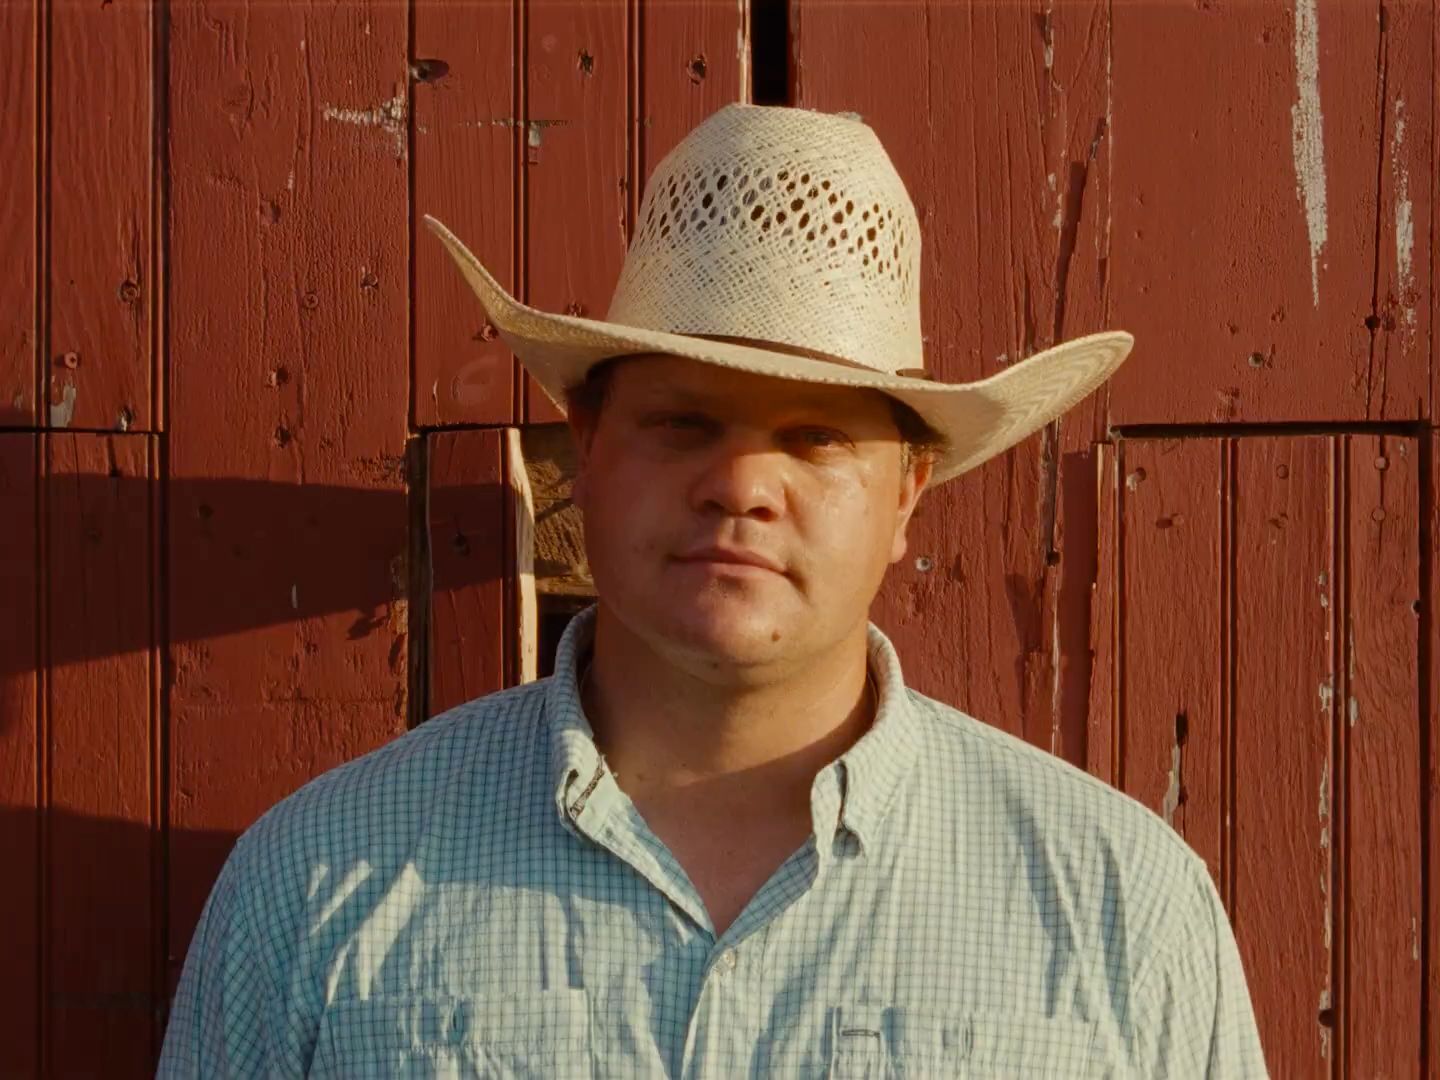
(726, 962)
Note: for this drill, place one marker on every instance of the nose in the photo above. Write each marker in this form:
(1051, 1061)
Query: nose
(743, 477)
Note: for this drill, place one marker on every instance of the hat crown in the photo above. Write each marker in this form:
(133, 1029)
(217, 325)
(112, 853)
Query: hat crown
(782, 225)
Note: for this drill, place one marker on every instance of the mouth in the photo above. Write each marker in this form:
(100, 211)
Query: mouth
(731, 561)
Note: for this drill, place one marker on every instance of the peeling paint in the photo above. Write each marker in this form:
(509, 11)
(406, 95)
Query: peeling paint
(1307, 136)
(1354, 711)
(295, 597)
(1404, 219)
(1324, 1030)
(1325, 792)
(1414, 938)
(63, 411)
(1327, 695)
(389, 116)
(1172, 789)
(742, 48)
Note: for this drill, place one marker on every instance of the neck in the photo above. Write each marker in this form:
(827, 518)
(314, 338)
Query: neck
(663, 729)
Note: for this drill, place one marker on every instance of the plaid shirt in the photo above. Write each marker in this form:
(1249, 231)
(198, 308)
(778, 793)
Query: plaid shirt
(479, 898)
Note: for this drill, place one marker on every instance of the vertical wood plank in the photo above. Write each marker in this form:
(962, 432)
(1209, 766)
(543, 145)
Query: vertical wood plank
(465, 141)
(1008, 242)
(19, 731)
(1106, 612)
(99, 835)
(521, 501)
(1430, 737)
(1171, 636)
(289, 351)
(693, 59)
(576, 161)
(100, 181)
(469, 560)
(1383, 767)
(1268, 180)
(19, 350)
(1285, 894)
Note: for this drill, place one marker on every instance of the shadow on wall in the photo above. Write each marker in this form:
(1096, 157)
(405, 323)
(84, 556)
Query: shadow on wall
(92, 953)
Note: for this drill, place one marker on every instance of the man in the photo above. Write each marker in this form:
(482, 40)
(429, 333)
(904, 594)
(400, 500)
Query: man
(724, 839)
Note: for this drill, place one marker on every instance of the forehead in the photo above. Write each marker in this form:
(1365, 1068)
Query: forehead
(678, 381)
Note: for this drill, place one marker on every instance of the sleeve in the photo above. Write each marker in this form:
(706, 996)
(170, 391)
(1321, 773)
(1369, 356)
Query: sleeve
(219, 1020)
(1194, 1012)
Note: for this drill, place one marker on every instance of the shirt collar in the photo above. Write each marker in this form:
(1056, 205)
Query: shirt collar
(853, 793)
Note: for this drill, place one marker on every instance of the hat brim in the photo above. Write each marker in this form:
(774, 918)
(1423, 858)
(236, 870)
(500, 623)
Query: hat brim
(979, 419)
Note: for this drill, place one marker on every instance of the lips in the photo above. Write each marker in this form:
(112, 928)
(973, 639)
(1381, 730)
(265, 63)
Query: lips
(733, 556)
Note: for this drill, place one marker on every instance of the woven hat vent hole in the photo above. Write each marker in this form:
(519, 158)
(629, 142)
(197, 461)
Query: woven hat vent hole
(804, 220)
(780, 218)
(764, 184)
(796, 204)
(849, 207)
(825, 184)
(870, 233)
(747, 198)
(765, 225)
(721, 181)
(705, 202)
(755, 214)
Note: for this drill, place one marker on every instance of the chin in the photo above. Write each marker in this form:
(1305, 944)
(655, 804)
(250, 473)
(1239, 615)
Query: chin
(734, 629)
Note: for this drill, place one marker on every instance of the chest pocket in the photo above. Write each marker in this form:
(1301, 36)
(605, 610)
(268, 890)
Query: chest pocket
(497, 1037)
(891, 1043)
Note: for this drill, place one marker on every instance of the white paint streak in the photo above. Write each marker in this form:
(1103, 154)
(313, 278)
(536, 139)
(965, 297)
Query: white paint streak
(1172, 788)
(63, 411)
(1327, 694)
(1404, 219)
(1306, 129)
(742, 48)
(389, 116)
(1354, 711)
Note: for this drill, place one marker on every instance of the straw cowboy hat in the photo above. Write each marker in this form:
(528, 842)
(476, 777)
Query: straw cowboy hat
(790, 227)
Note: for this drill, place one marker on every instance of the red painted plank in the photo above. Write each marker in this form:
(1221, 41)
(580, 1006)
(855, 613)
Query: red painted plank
(1014, 258)
(289, 366)
(576, 161)
(1283, 758)
(693, 59)
(1171, 636)
(1430, 728)
(1267, 182)
(99, 184)
(19, 753)
(1070, 600)
(1105, 613)
(470, 537)
(466, 142)
(100, 751)
(18, 211)
(1382, 762)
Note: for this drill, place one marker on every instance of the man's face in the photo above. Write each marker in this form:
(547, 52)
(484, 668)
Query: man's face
(691, 468)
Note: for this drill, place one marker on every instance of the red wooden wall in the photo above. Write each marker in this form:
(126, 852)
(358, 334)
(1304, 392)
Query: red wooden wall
(253, 473)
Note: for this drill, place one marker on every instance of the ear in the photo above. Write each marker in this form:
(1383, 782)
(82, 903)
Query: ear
(912, 484)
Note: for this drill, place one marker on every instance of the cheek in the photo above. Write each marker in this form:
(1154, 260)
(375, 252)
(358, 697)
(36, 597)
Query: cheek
(850, 521)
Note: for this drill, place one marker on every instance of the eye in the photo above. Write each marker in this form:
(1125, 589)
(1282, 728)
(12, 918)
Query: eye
(819, 438)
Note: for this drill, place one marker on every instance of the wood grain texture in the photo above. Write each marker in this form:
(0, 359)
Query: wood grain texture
(288, 524)
(521, 500)
(576, 155)
(1106, 612)
(692, 57)
(21, 757)
(1266, 166)
(994, 116)
(100, 751)
(19, 123)
(100, 182)
(1171, 636)
(1379, 708)
(466, 140)
(470, 541)
(1284, 757)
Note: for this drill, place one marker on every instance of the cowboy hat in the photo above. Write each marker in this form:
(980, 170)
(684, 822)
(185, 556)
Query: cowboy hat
(787, 226)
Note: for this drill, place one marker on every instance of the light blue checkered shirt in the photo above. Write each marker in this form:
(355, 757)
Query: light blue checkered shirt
(479, 898)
